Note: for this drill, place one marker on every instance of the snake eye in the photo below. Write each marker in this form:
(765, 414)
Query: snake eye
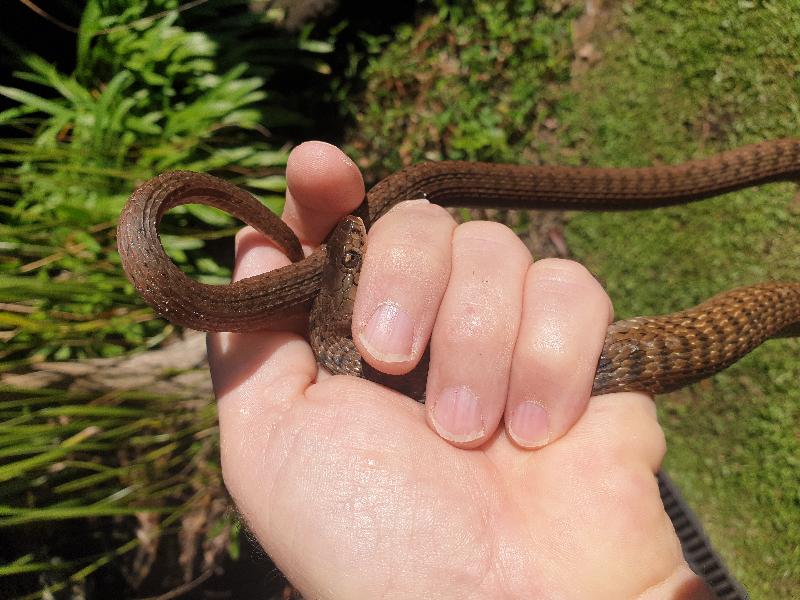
(351, 259)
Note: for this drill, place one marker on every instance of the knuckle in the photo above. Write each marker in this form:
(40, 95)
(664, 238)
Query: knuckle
(469, 325)
(563, 278)
(245, 234)
(423, 228)
(631, 431)
(415, 213)
(639, 417)
(564, 271)
(548, 361)
(495, 238)
(627, 486)
(636, 491)
(407, 261)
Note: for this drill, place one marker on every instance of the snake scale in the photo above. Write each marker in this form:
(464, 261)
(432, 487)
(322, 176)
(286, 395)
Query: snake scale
(651, 354)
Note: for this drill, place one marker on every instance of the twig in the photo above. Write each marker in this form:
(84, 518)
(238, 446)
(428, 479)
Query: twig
(185, 588)
(131, 25)
(49, 17)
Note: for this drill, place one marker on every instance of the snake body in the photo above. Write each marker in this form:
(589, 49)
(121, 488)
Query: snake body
(652, 354)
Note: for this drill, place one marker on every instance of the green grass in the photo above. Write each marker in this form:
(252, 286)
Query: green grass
(672, 83)
(147, 95)
(74, 464)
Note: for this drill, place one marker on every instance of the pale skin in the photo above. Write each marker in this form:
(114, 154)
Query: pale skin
(510, 482)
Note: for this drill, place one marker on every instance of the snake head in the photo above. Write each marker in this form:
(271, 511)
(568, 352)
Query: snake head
(346, 246)
(332, 310)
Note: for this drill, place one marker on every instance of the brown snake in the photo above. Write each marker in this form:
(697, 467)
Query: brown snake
(652, 354)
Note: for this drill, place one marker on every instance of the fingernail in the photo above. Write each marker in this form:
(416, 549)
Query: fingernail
(388, 335)
(529, 425)
(457, 415)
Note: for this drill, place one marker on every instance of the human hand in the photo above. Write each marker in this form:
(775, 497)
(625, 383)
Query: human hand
(354, 495)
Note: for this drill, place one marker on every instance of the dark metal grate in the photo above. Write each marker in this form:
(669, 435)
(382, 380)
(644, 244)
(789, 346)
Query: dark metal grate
(697, 549)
